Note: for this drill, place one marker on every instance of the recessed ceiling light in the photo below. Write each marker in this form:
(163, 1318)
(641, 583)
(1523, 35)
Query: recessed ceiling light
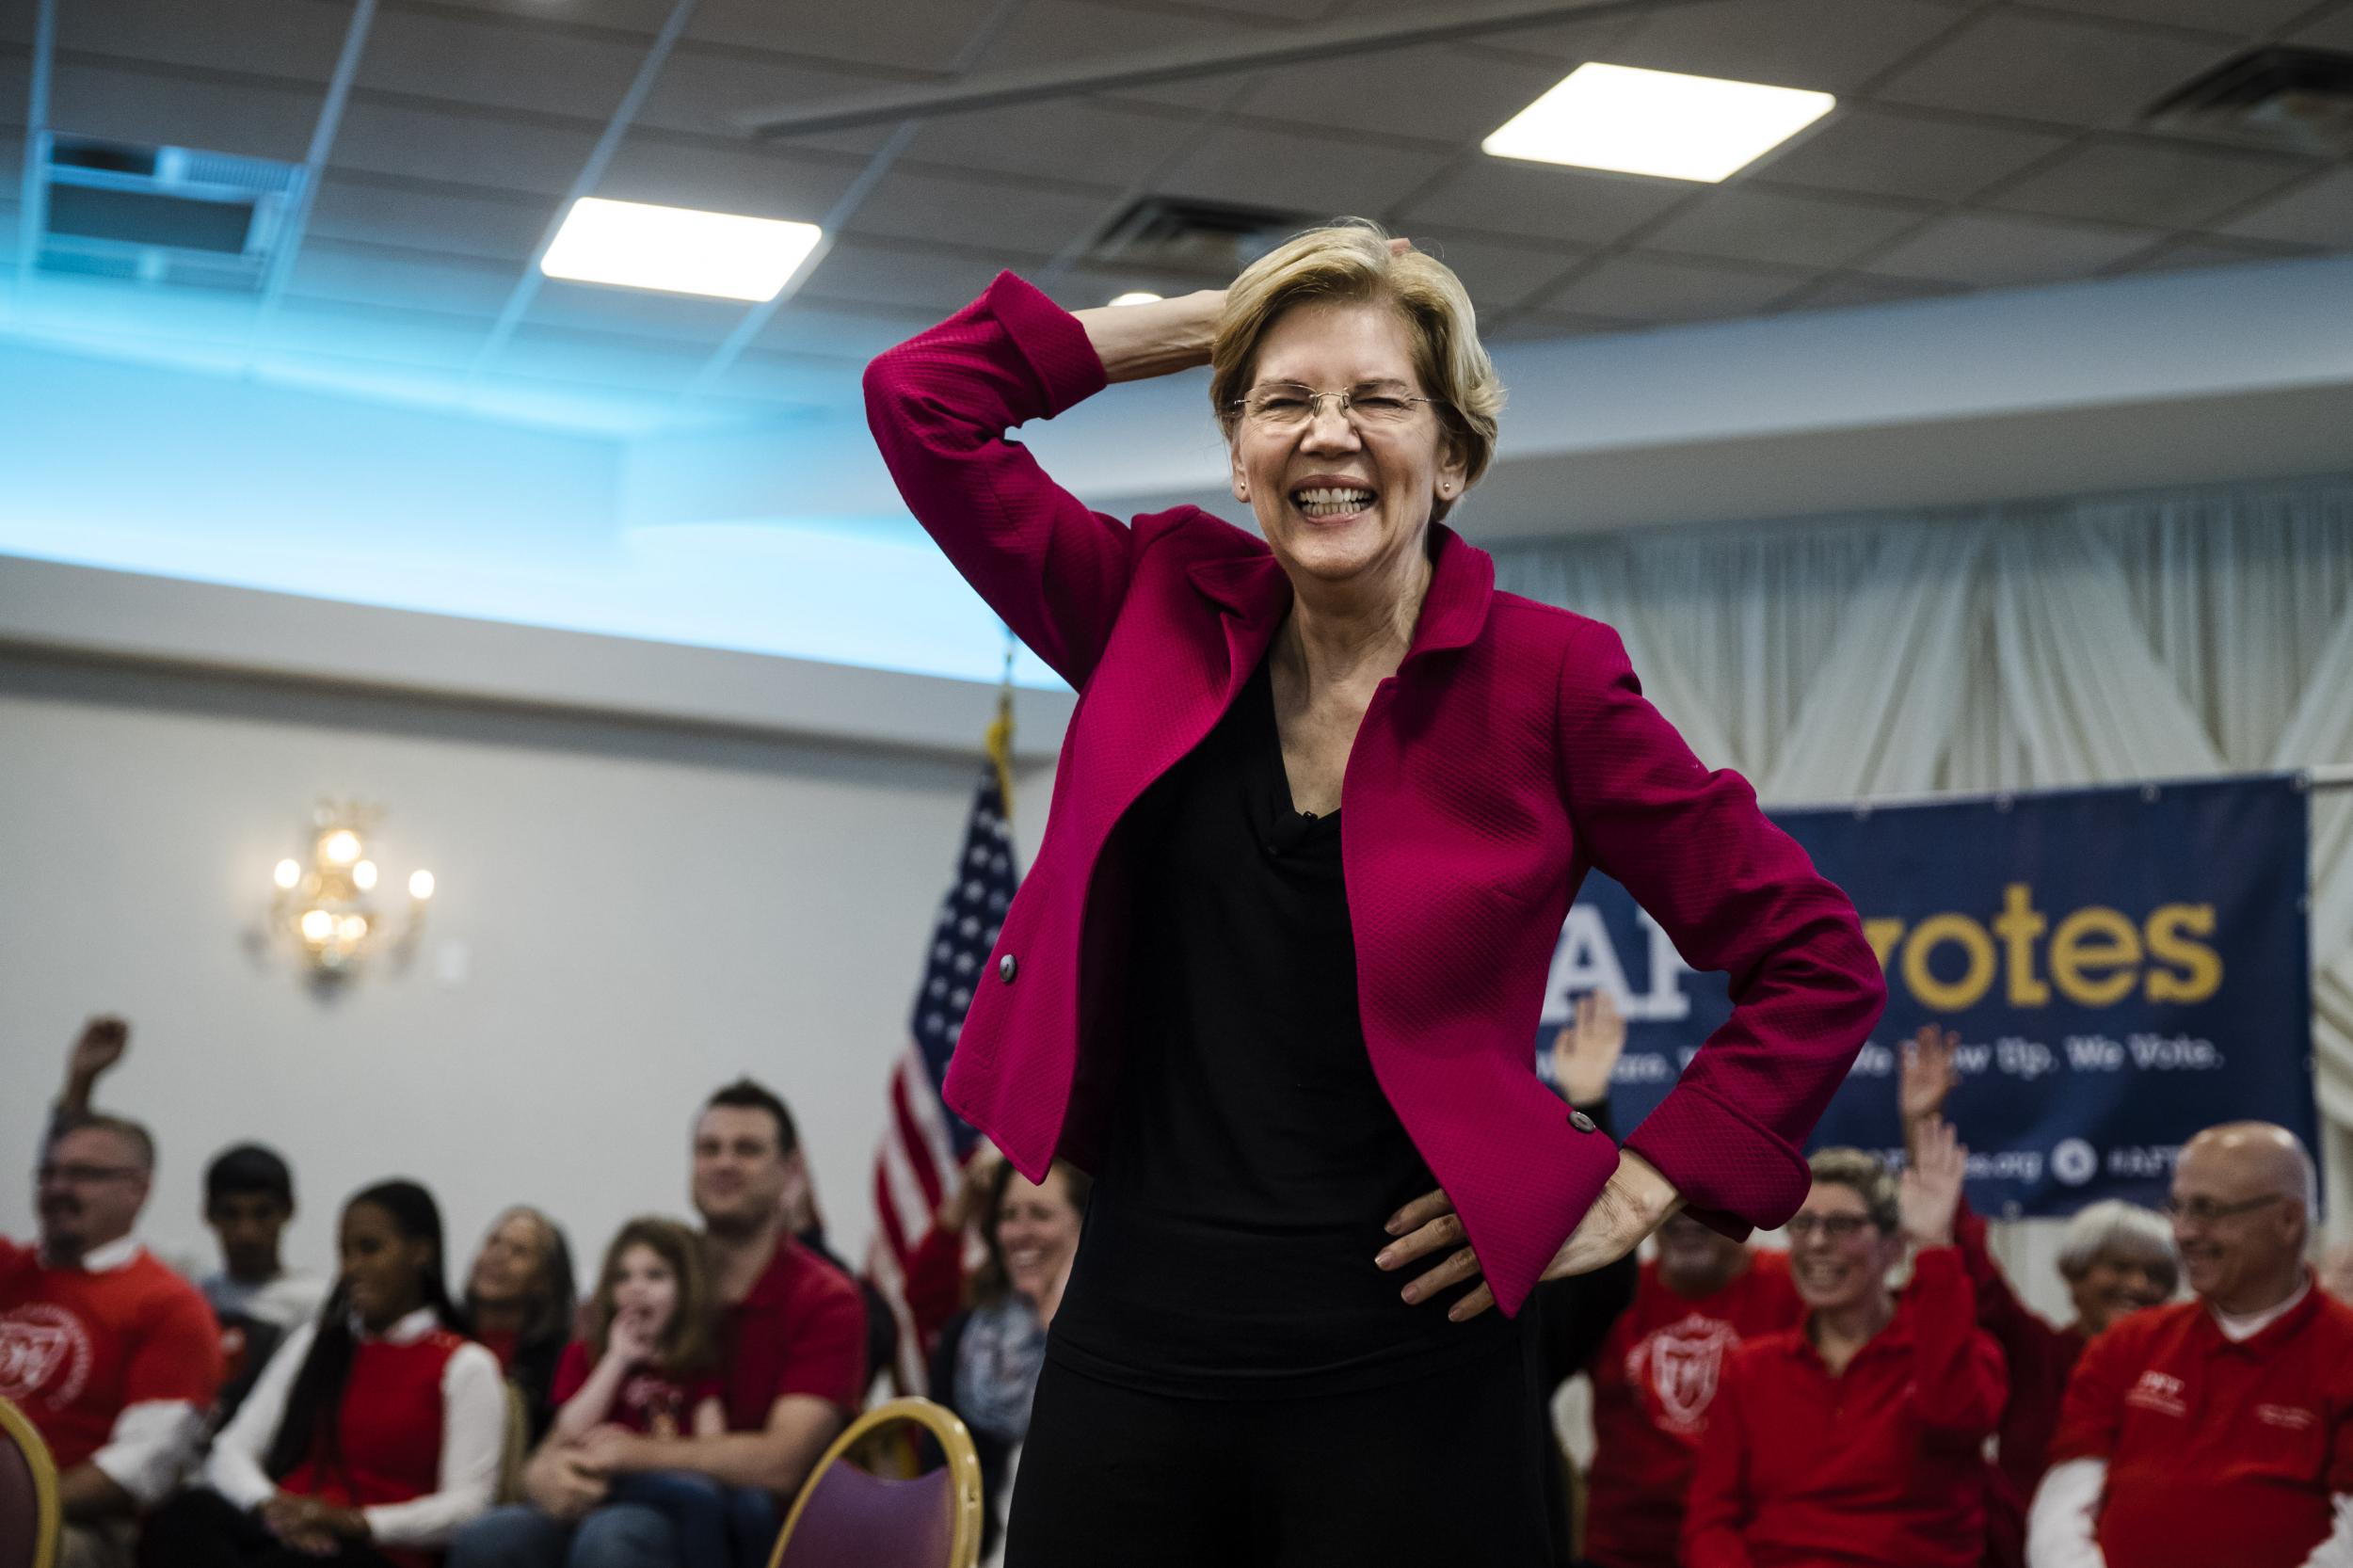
(678, 249)
(1139, 298)
(1657, 122)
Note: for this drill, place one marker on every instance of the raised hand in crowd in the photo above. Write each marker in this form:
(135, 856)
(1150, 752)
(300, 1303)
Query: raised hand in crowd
(970, 1201)
(1925, 1077)
(1586, 1050)
(103, 1041)
(1928, 1190)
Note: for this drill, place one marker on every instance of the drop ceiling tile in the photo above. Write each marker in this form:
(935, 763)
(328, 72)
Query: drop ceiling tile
(1746, 224)
(509, 151)
(643, 17)
(676, 171)
(1546, 326)
(2162, 185)
(2186, 254)
(1083, 288)
(791, 378)
(978, 210)
(256, 36)
(493, 61)
(708, 90)
(1094, 142)
(1822, 46)
(1070, 33)
(1500, 277)
(15, 82)
(1318, 177)
(341, 272)
(807, 326)
(1439, 93)
(1639, 287)
(2318, 212)
(2245, 18)
(932, 283)
(1505, 195)
(1876, 152)
(2057, 69)
(151, 105)
(426, 220)
(1846, 290)
(638, 364)
(2332, 31)
(910, 35)
(634, 312)
(1989, 250)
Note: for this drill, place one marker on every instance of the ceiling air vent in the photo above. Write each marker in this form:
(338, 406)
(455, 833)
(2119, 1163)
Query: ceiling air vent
(2299, 98)
(161, 215)
(1173, 234)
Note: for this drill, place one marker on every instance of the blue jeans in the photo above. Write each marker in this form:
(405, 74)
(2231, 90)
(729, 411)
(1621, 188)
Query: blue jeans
(671, 1519)
(727, 1527)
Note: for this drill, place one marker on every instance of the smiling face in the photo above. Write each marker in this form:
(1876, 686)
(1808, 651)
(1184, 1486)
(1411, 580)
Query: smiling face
(740, 1169)
(645, 1291)
(1037, 1231)
(1342, 496)
(2116, 1283)
(2238, 1217)
(1837, 1256)
(507, 1268)
(383, 1271)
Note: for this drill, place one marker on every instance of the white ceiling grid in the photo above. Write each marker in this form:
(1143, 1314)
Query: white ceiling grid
(1978, 144)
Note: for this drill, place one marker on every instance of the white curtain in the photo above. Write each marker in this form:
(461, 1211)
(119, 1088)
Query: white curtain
(2014, 648)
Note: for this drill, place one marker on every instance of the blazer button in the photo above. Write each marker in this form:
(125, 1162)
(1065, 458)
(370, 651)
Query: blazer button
(1580, 1121)
(1006, 968)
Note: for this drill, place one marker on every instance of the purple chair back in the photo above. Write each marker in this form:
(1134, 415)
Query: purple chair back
(856, 1520)
(29, 1505)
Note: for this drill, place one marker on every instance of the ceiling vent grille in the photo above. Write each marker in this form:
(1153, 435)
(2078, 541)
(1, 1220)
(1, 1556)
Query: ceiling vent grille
(162, 215)
(2279, 97)
(1173, 234)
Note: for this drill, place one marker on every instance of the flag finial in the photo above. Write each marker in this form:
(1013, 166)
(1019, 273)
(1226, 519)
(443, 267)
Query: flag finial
(1000, 742)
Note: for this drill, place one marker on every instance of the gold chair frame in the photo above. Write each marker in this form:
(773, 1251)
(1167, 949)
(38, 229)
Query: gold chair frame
(47, 1515)
(964, 1470)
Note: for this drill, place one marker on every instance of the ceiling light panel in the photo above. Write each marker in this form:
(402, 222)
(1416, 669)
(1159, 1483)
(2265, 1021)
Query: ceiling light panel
(1659, 122)
(634, 245)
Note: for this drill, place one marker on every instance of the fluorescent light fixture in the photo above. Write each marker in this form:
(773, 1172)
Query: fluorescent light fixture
(678, 249)
(1657, 122)
(1139, 298)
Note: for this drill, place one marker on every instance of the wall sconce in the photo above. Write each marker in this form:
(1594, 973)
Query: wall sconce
(325, 908)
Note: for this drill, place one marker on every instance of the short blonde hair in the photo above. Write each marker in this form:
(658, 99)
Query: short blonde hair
(1868, 1177)
(1350, 262)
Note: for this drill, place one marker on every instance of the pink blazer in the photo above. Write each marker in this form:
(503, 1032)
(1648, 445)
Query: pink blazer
(1511, 750)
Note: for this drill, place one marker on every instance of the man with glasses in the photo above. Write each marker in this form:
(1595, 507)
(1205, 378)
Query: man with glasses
(112, 1356)
(2218, 1430)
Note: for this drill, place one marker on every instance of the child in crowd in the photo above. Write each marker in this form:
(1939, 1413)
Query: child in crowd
(650, 1363)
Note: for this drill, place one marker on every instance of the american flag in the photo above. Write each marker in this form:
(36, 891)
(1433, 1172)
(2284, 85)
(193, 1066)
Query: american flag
(925, 1143)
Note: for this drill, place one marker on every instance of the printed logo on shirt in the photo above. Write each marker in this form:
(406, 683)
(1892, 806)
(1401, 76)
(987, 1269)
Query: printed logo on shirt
(2160, 1392)
(45, 1350)
(2291, 1416)
(1684, 1362)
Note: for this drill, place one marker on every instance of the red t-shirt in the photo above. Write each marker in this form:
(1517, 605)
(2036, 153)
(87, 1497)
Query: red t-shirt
(649, 1401)
(802, 1330)
(77, 1348)
(1653, 1380)
(2040, 1358)
(1877, 1467)
(2217, 1453)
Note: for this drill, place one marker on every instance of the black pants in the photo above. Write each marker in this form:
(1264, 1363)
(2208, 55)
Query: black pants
(203, 1529)
(1445, 1470)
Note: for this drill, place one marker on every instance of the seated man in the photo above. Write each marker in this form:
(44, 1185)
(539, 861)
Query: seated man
(792, 1337)
(1856, 1440)
(248, 1199)
(113, 1357)
(2215, 1431)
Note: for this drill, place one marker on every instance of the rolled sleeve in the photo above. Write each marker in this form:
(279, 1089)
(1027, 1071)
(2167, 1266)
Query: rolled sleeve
(152, 1445)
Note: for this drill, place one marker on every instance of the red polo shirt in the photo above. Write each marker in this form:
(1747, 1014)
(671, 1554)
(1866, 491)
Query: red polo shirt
(802, 1330)
(1877, 1467)
(1654, 1379)
(2216, 1452)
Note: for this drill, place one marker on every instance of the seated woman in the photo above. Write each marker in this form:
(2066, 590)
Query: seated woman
(2116, 1257)
(520, 1301)
(986, 1365)
(375, 1430)
(1854, 1441)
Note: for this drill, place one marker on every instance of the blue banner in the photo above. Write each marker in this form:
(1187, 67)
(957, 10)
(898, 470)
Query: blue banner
(2123, 967)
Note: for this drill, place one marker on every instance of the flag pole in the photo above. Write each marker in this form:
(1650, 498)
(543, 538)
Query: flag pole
(1000, 742)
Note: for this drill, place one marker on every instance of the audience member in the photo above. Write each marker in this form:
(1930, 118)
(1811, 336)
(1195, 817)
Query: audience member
(113, 1357)
(936, 1281)
(1655, 1380)
(520, 1301)
(375, 1432)
(2217, 1430)
(248, 1199)
(1856, 1439)
(792, 1337)
(2116, 1259)
(1574, 1314)
(986, 1365)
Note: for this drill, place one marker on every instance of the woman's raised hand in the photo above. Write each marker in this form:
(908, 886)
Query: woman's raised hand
(1929, 1188)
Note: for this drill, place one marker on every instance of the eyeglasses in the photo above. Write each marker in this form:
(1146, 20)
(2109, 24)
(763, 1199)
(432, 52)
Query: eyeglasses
(83, 1176)
(2205, 1212)
(1287, 406)
(1837, 1227)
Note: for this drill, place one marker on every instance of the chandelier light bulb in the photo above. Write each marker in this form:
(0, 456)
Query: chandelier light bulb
(364, 875)
(287, 875)
(351, 928)
(421, 885)
(317, 926)
(340, 847)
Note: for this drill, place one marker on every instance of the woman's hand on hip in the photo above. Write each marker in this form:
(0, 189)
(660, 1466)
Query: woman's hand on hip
(1634, 1203)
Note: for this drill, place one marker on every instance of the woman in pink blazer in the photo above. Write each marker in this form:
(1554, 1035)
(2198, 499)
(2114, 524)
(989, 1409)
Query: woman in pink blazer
(1276, 974)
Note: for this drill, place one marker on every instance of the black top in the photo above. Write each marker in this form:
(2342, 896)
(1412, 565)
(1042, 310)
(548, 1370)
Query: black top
(1251, 1159)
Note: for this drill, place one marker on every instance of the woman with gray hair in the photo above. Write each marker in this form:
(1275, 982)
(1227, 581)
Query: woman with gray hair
(1274, 977)
(2116, 1257)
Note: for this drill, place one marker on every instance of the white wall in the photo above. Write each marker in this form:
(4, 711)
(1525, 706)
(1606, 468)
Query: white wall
(645, 911)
